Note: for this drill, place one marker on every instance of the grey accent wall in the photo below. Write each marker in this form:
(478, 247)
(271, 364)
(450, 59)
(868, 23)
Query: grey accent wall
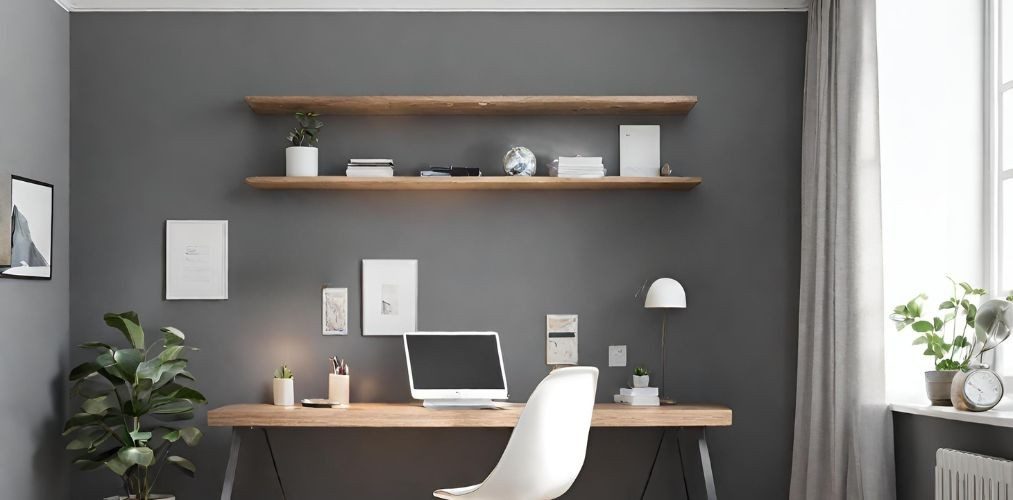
(34, 143)
(160, 131)
(917, 438)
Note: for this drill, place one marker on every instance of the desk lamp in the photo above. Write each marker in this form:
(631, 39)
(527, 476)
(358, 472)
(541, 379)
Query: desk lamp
(665, 293)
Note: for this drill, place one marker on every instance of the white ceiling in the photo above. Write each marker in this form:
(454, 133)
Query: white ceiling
(431, 5)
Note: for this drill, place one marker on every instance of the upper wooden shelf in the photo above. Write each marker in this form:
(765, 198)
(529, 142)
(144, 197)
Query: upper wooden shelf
(474, 105)
(501, 183)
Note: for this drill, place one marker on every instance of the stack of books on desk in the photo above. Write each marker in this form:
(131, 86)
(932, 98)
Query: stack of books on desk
(580, 167)
(641, 396)
(378, 167)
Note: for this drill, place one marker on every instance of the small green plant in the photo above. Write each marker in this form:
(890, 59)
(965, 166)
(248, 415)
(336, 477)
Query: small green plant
(308, 131)
(949, 347)
(283, 372)
(132, 398)
(640, 371)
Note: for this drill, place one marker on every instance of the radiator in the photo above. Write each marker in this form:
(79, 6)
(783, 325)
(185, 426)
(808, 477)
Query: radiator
(967, 476)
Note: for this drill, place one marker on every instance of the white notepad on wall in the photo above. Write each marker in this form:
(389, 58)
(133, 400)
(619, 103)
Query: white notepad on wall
(640, 150)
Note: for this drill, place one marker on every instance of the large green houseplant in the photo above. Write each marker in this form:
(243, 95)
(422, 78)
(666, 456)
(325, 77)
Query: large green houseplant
(133, 402)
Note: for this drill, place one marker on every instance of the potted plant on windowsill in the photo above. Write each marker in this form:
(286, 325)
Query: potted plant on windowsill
(944, 336)
(301, 156)
(133, 399)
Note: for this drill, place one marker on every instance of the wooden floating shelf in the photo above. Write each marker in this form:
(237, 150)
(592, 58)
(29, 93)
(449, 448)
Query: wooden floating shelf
(473, 105)
(492, 183)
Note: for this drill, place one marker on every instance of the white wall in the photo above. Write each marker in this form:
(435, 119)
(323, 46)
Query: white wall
(34, 332)
(931, 117)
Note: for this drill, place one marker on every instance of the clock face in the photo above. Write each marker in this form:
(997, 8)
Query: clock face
(983, 389)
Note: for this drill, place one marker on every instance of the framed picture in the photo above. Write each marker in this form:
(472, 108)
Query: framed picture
(5, 221)
(196, 260)
(389, 296)
(31, 230)
(561, 339)
(335, 311)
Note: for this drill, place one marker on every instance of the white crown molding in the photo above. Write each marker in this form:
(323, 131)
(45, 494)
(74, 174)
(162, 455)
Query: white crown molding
(65, 5)
(432, 5)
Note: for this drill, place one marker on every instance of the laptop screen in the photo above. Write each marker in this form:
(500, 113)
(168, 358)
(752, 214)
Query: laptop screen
(463, 361)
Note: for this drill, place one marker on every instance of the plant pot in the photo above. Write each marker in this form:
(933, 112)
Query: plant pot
(301, 161)
(937, 386)
(641, 381)
(284, 392)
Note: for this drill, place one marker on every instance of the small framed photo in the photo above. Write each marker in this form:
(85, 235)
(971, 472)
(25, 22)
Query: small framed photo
(389, 296)
(197, 260)
(28, 252)
(335, 311)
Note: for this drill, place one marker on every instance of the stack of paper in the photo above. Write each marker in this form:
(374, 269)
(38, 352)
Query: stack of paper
(373, 167)
(642, 396)
(580, 167)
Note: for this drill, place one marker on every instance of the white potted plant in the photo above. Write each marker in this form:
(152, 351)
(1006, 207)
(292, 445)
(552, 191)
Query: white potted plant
(945, 336)
(641, 377)
(134, 402)
(284, 387)
(301, 158)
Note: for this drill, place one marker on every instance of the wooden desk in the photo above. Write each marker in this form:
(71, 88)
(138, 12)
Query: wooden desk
(689, 419)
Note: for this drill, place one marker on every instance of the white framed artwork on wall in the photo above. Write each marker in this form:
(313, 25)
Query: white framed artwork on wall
(389, 296)
(197, 260)
(335, 311)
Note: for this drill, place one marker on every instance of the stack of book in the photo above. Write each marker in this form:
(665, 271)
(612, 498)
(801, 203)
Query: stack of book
(378, 167)
(580, 167)
(451, 171)
(641, 396)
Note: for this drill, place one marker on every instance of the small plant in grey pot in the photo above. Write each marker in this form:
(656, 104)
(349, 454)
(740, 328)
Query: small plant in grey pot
(641, 377)
(133, 400)
(946, 336)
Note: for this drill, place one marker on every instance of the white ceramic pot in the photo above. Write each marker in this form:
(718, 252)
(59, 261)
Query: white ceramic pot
(937, 386)
(301, 161)
(337, 389)
(284, 392)
(641, 381)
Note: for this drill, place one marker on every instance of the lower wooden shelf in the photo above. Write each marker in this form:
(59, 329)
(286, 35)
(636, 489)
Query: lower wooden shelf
(338, 182)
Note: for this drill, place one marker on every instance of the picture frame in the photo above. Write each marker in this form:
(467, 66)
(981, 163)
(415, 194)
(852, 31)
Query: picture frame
(334, 311)
(196, 260)
(561, 339)
(389, 296)
(30, 230)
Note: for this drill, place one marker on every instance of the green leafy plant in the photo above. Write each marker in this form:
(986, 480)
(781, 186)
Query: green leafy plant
(640, 371)
(131, 398)
(945, 334)
(308, 131)
(283, 372)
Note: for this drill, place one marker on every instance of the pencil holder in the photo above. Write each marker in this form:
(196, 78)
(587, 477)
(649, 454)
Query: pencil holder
(337, 389)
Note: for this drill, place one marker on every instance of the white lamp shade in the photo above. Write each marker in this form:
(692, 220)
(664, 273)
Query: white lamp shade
(665, 293)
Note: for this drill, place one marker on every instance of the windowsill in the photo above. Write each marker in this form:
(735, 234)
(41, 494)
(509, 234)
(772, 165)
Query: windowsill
(1000, 416)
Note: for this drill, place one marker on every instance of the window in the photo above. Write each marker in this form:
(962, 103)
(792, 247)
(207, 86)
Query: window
(999, 148)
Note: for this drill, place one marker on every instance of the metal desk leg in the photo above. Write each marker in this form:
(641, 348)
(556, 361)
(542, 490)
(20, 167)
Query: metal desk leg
(230, 469)
(274, 462)
(654, 463)
(693, 447)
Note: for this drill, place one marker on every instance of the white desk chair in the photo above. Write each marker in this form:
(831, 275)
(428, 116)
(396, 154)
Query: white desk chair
(547, 448)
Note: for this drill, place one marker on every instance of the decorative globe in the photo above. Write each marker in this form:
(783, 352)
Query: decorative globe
(519, 161)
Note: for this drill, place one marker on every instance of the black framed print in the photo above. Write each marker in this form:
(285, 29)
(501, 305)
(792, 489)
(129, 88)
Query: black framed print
(31, 216)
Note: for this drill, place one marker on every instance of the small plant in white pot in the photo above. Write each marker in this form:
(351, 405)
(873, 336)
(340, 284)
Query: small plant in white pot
(284, 387)
(301, 158)
(945, 335)
(133, 400)
(641, 377)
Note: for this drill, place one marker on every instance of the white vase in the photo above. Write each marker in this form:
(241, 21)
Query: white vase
(301, 161)
(284, 392)
(337, 389)
(641, 381)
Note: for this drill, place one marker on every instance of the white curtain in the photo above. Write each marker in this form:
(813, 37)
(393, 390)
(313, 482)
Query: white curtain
(843, 445)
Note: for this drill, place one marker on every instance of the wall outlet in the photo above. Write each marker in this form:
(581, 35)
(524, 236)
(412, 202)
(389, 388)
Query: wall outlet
(560, 339)
(617, 355)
